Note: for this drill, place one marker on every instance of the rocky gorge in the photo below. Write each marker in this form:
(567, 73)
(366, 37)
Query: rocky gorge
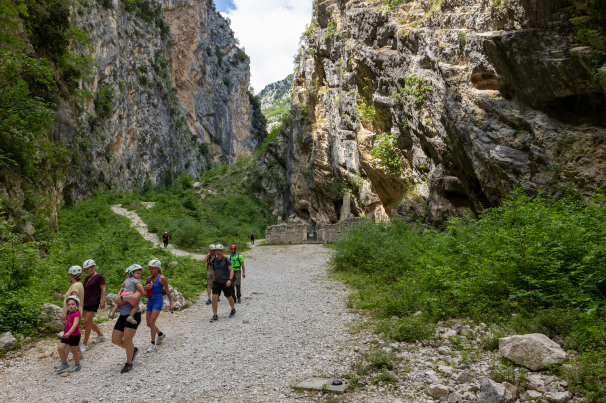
(167, 94)
(431, 109)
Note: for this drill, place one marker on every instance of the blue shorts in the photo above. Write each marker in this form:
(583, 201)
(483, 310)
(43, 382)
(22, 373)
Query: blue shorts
(155, 303)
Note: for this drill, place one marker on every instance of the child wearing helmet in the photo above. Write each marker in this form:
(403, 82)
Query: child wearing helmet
(129, 287)
(71, 335)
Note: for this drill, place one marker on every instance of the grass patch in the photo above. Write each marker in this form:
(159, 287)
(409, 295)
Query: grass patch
(225, 211)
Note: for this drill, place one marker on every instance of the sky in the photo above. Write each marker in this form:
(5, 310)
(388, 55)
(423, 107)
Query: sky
(269, 30)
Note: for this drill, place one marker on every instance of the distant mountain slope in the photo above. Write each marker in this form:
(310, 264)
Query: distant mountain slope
(275, 100)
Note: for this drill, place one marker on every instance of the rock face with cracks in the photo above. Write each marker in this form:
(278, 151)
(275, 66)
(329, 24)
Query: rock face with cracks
(478, 96)
(162, 103)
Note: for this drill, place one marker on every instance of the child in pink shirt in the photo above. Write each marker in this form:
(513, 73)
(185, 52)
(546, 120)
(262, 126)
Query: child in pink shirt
(71, 335)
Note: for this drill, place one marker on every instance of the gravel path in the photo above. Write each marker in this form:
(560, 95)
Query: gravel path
(292, 324)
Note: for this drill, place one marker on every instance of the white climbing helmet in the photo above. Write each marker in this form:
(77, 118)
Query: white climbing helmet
(88, 263)
(76, 271)
(212, 247)
(75, 298)
(155, 263)
(133, 268)
(219, 246)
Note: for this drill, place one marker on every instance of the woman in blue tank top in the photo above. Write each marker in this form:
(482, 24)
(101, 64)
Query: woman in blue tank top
(153, 286)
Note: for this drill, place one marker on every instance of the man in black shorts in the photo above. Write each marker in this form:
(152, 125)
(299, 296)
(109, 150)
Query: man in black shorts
(165, 240)
(223, 275)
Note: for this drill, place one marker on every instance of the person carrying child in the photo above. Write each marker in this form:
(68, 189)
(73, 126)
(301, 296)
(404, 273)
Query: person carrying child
(71, 336)
(129, 287)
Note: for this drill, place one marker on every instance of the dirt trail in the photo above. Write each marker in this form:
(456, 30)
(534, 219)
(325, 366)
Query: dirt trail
(291, 324)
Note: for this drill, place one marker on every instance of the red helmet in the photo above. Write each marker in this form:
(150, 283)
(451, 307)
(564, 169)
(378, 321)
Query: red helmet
(233, 247)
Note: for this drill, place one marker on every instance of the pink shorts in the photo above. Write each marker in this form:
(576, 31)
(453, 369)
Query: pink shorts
(124, 294)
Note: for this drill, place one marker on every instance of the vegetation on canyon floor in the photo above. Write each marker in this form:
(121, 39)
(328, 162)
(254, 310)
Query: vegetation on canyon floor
(31, 269)
(542, 260)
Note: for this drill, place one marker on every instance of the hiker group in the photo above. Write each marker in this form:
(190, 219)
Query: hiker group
(83, 300)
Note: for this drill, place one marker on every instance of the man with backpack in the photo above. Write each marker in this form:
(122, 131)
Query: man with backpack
(237, 262)
(223, 276)
(165, 240)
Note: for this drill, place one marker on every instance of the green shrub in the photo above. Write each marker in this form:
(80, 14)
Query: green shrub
(331, 31)
(505, 371)
(586, 373)
(528, 257)
(411, 329)
(103, 102)
(417, 90)
(462, 39)
(380, 359)
(386, 155)
(366, 111)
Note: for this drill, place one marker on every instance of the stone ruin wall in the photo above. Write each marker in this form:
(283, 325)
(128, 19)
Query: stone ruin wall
(331, 233)
(286, 234)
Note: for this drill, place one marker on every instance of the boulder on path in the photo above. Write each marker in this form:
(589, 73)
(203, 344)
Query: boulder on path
(490, 392)
(50, 316)
(533, 351)
(438, 391)
(172, 265)
(178, 301)
(7, 341)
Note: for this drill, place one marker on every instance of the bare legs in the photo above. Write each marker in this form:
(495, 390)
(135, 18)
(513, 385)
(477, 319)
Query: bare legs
(89, 324)
(215, 303)
(151, 317)
(125, 340)
(64, 350)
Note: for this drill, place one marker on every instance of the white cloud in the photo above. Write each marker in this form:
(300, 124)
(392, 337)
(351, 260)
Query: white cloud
(270, 31)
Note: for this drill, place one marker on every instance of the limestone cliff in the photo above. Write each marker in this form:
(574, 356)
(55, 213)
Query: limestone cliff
(161, 102)
(436, 108)
(275, 100)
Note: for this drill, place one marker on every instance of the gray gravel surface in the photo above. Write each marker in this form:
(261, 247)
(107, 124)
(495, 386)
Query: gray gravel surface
(292, 323)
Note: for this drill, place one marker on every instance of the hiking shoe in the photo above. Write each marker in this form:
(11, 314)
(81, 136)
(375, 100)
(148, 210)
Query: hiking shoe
(84, 348)
(208, 302)
(218, 299)
(75, 368)
(160, 338)
(233, 313)
(135, 353)
(127, 367)
(132, 320)
(99, 339)
(151, 347)
(61, 368)
(214, 319)
(239, 300)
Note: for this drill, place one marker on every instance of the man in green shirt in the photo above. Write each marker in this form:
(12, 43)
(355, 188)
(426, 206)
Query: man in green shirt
(237, 261)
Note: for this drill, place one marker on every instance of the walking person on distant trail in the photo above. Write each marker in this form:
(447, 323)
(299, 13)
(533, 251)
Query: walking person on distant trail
(252, 238)
(71, 336)
(165, 239)
(153, 287)
(237, 262)
(77, 290)
(124, 331)
(94, 299)
(223, 276)
(208, 259)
